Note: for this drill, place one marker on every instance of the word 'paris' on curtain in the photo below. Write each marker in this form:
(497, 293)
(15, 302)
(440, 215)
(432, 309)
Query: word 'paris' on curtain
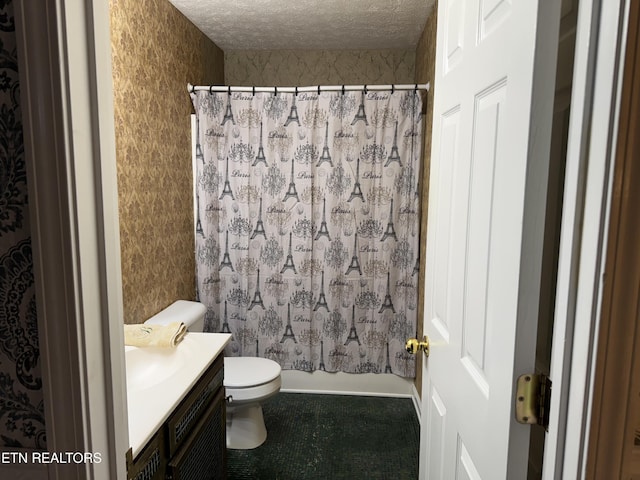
(307, 226)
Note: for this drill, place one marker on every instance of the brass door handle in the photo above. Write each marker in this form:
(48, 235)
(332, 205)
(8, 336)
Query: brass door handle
(414, 345)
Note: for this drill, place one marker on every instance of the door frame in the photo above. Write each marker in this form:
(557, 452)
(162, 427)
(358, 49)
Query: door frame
(593, 123)
(593, 126)
(64, 54)
(615, 400)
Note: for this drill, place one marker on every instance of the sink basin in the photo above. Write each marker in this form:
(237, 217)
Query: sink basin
(149, 366)
(159, 378)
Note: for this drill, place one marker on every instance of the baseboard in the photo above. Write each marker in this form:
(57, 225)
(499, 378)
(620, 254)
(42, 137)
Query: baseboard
(340, 383)
(417, 402)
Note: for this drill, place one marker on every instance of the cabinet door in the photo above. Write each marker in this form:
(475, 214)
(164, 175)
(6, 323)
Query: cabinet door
(188, 413)
(150, 462)
(203, 454)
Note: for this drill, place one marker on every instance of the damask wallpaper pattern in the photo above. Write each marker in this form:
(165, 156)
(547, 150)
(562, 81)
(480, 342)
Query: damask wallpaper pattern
(156, 51)
(311, 67)
(21, 401)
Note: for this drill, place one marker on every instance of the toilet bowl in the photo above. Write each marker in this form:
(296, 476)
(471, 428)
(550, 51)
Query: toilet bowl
(248, 381)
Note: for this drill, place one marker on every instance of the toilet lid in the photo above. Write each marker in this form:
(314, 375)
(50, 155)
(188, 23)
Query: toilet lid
(249, 371)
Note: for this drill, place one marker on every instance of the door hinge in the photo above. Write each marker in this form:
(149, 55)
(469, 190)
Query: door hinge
(533, 397)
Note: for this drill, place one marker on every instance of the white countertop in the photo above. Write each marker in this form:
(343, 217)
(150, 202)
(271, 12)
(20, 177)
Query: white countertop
(159, 378)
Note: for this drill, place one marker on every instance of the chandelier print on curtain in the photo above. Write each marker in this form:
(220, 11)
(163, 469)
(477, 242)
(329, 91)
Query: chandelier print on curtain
(307, 226)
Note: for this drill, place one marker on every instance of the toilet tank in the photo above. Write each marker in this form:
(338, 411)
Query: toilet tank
(189, 313)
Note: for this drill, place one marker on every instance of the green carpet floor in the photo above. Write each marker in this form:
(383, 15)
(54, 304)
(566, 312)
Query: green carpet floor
(332, 437)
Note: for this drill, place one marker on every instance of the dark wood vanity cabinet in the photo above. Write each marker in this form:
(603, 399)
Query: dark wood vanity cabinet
(191, 444)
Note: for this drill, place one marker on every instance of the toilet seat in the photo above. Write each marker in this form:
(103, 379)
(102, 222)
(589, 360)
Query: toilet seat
(242, 372)
(251, 378)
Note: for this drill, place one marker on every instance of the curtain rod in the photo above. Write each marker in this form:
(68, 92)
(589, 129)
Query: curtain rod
(318, 89)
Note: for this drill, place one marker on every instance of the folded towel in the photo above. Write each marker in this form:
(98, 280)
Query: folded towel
(149, 335)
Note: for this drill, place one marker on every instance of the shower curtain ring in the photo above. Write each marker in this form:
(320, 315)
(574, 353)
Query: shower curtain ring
(210, 89)
(253, 90)
(229, 90)
(393, 88)
(296, 91)
(318, 90)
(342, 89)
(365, 89)
(275, 91)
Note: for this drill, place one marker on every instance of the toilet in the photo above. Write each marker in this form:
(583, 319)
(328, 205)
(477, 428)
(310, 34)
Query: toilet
(248, 381)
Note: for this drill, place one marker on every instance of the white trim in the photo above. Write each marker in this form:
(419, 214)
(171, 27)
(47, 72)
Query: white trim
(104, 147)
(340, 383)
(592, 129)
(417, 403)
(65, 75)
(604, 126)
(355, 393)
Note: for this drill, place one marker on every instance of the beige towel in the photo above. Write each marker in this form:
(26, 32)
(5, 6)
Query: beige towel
(149, 335)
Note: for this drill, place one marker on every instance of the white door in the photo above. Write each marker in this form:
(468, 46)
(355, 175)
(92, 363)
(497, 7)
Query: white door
(494, 89)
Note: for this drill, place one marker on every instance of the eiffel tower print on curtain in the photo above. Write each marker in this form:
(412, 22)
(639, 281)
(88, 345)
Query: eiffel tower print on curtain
(326, 156)
(226, 259)
(322, 300)
(306, 240)
(289, 263)
(257, 297)
(228, 115)
(288, 331)
(355, 263)
(293, 113)
(361, 116)
(260, 157)
(357, 189)
(388, 302)
(323, 231)
(353, 333)
(226, 189)
(199, 154)
(199, 230)
(394, 156)
(390, 231)
(292, 191)
(259, 228)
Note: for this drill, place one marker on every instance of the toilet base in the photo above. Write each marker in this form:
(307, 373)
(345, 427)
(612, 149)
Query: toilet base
(245, 427)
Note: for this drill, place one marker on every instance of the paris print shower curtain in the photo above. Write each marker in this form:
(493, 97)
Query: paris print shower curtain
(307, 225)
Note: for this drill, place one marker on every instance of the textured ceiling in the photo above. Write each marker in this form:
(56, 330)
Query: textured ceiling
(308, 24)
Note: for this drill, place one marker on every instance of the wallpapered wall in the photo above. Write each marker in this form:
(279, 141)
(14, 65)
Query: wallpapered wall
(425, 72)
(311, 67)
(156, 51)
(21, 400)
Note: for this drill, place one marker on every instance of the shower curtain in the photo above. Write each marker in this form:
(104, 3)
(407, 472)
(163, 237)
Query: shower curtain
(307, 225)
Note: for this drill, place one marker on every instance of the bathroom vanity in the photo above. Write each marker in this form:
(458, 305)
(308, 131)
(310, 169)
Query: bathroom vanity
(176, 410)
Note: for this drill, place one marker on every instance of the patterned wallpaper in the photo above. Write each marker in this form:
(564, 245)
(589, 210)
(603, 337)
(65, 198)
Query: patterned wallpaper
(425, 72)
(310, 67)
(21, 400)
(156, 51)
